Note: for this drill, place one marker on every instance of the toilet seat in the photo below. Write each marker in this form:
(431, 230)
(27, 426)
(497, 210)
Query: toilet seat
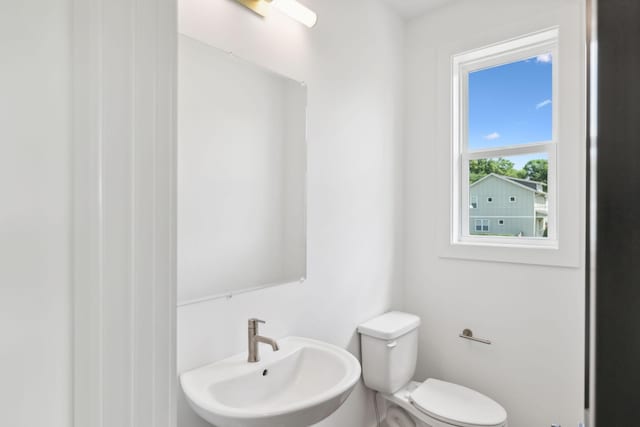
(457, 405)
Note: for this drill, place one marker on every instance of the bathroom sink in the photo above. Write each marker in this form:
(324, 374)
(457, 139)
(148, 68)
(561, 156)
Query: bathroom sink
(299, 385)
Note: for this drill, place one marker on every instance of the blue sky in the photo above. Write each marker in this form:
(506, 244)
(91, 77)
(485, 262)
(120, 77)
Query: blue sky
(511, 104)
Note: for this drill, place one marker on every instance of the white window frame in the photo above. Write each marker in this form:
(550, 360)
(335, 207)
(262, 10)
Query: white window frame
(502, 53)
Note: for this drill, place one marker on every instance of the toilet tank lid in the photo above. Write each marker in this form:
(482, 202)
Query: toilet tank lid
(390, 325)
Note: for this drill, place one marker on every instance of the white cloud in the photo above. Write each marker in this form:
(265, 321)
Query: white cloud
(544, 103)
(494, 135)
(545, 57)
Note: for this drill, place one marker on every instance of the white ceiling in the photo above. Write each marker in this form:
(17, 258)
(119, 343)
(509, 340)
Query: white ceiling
(412, 8)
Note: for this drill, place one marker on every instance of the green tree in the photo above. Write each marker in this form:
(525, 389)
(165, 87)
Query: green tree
(537, 170)
(480, 168)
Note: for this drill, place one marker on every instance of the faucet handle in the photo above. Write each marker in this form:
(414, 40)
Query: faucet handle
(253, 322)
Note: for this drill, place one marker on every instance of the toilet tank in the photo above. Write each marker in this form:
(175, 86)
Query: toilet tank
(389, 350)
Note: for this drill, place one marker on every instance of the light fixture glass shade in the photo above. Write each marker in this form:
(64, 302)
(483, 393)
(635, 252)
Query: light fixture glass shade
(295, 10)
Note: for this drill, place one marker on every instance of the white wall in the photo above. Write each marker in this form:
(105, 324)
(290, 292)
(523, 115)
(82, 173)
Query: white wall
(236, 211)
(533, 314)
(352, 62)
(35, 354)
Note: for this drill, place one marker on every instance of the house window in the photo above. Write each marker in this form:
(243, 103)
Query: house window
(474, 202)
(481, 225)
(505, 139)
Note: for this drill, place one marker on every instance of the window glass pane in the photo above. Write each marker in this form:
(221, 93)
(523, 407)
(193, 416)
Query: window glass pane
(517, 188)
(511, 104)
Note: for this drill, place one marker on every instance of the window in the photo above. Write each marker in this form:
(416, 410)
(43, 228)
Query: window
(474, 202)
(481, 225)
(505, 141)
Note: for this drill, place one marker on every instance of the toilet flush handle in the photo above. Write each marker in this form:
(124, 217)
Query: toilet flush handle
(392, 344)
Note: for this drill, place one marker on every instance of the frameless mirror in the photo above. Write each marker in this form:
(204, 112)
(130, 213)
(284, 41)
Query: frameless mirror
(241, 175)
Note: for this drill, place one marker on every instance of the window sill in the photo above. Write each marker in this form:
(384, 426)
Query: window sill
(548, 254)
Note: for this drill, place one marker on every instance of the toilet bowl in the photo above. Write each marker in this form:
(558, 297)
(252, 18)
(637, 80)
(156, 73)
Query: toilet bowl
(389, 354)
(397, 417)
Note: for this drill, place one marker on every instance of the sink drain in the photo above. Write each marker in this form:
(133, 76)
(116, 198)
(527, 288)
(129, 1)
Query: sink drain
(265, 372)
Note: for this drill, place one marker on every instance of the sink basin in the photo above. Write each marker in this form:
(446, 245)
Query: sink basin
(299, 385)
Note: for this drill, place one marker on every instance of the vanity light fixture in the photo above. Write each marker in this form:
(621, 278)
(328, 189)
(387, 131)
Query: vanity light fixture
(291, 8)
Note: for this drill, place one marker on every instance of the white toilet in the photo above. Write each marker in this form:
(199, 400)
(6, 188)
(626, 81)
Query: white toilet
(389, 353)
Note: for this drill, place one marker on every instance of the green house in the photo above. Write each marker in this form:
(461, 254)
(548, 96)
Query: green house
(505, 206)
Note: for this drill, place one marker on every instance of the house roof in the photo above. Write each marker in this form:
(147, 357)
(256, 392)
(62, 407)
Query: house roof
(523, 183)
(529, 183)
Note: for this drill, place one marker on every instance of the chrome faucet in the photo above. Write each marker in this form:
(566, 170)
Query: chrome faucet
(254, 339)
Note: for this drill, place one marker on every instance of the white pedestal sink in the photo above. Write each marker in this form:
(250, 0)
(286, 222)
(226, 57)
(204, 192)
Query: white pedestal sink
(299, 385)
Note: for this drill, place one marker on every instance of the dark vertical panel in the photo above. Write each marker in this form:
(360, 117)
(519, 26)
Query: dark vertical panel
(617, 355)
